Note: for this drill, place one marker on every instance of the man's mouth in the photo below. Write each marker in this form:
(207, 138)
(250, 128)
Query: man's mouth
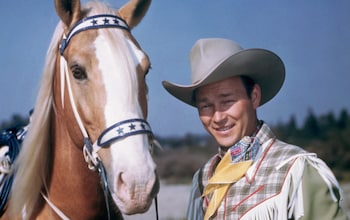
(226, 128)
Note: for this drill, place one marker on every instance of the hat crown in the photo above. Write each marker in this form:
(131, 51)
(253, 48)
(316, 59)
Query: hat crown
(207, 54)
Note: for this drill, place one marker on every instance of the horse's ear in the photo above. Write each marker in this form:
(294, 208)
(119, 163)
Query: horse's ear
(68, 11)
(133, 11)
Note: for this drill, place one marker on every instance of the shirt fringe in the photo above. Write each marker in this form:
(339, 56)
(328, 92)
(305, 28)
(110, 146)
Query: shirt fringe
(276, 208)
(272, 209)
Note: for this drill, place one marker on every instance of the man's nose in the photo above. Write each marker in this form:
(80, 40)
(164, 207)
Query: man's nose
(218, 116)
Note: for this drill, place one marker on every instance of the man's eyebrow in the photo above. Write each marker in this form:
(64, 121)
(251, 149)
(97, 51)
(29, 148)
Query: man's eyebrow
(224, 95)
(221, 95)
(202, 99)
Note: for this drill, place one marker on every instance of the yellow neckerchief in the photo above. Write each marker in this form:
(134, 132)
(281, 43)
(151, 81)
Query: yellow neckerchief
(226, 174)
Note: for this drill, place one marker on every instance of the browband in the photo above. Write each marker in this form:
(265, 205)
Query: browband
(93, 22)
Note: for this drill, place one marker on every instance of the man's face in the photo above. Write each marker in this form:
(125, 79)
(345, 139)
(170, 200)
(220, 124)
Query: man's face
(226, 111)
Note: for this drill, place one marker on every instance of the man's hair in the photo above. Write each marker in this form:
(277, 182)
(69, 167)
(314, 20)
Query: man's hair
(248, 84)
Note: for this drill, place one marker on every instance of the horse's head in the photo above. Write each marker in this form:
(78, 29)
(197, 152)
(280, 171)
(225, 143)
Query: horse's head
(102, 94)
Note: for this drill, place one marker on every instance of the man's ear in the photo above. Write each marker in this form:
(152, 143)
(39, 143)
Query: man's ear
(256, 96)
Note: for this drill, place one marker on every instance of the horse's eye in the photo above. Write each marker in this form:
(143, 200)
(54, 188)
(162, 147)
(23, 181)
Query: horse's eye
(79, 72)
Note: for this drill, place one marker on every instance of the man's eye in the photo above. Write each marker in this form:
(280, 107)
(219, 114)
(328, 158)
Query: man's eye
(204, 106)
(229, 102)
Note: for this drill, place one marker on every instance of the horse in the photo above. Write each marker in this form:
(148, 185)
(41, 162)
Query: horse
(87, 151)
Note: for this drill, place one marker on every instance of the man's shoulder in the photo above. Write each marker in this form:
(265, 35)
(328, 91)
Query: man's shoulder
(287, 148)
(281, 152)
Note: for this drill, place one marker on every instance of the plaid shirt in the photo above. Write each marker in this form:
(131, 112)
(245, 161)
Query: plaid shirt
(262, 183)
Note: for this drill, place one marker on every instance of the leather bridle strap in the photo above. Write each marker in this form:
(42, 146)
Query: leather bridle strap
(156, 206)
(104, 183)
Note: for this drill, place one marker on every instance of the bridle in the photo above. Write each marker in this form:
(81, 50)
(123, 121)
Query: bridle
(119, 130)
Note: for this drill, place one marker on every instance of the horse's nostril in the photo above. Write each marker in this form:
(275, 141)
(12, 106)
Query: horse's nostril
(121, 182)
(120, 179)
(121, 186)
(125, 187)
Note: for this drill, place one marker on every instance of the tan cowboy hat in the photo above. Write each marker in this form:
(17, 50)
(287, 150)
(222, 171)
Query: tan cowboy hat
(215, 59)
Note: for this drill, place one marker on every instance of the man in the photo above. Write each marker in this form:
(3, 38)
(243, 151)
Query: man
(254, 175)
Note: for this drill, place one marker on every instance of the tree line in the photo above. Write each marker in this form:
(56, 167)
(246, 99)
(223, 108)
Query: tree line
(327, 135)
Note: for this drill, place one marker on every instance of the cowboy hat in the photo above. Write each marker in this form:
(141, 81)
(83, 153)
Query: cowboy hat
(215, 59)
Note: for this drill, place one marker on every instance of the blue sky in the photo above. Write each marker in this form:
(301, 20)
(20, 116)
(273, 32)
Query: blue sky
(312, 37)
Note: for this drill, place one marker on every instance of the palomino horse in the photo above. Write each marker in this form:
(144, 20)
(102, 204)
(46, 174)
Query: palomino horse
(91, 107)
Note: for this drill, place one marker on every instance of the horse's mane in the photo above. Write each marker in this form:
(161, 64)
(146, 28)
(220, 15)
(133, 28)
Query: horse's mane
(32, 166)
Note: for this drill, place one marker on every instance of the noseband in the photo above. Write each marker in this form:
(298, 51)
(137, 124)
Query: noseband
(119, 130)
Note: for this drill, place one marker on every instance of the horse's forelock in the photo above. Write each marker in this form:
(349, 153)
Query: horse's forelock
(95, 7)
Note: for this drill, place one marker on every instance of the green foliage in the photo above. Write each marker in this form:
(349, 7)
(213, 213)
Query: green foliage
(327, 135)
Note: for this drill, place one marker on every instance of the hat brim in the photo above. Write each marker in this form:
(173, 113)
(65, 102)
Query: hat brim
(263, 66)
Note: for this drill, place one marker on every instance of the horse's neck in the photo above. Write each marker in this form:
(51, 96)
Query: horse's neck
(73, 188)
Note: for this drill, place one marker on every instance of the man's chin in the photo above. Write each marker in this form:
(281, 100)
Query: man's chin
(225, 145)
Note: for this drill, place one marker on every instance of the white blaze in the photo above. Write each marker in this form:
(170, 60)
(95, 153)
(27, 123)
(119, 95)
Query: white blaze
(130, 155)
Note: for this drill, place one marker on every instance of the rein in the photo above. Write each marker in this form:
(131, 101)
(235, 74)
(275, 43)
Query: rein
(117, 131)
